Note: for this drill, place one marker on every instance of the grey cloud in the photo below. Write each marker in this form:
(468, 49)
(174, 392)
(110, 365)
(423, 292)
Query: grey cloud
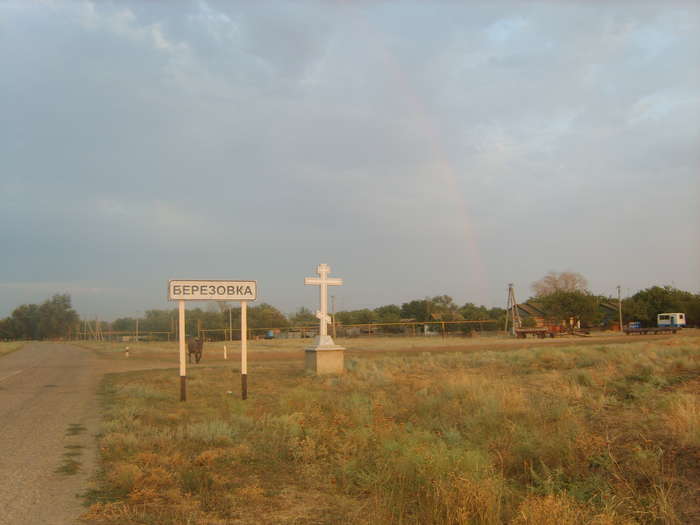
(425, 141)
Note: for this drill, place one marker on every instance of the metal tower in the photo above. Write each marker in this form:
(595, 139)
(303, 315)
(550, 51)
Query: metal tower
(512, 314)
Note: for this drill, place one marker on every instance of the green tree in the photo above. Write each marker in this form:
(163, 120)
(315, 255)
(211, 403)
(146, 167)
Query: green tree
(472, 312)
(56, 317)
(389, 313)
(157, 320)
(25, 320)
(646, 304)
(417, 309)
(570, 307)
(266, 316)
(363, 316)
(124, 324)
(8, 329)
(303, 317)
(444, 308)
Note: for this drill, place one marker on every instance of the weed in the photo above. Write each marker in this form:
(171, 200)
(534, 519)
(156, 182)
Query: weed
(68, 467)
(74, 429)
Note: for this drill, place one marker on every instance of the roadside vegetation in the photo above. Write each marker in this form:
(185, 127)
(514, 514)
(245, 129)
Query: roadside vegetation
(10, 346)
(601, 434)
(292, 348)
(214, 350)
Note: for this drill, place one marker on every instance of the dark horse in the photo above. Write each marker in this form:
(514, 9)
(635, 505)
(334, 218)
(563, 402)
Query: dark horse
(194, 346)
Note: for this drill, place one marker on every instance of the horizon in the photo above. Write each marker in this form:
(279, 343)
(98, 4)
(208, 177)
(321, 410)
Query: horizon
(213, 305)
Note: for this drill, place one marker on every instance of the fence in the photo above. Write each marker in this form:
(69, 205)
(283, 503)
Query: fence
(403, 329)
(125, 336)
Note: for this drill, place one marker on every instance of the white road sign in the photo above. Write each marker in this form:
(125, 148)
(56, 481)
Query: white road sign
(208, 290)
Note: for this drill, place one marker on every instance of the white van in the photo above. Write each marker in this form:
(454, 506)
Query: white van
(674, 319)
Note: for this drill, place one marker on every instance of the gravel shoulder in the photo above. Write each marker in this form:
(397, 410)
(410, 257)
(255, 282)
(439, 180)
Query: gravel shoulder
(49, 417)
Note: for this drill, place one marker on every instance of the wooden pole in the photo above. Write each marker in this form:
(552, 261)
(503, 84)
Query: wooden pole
(183, 364)
(244, 350)
(619, 305)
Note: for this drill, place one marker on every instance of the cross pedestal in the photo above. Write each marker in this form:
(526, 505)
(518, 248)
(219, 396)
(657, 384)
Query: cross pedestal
(324, 356)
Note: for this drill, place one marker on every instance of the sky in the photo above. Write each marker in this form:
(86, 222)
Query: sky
(418, 148)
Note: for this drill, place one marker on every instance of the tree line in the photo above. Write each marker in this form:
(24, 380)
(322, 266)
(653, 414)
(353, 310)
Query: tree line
(562, 296)
(565, 297)
(216, 317)
(52, 319)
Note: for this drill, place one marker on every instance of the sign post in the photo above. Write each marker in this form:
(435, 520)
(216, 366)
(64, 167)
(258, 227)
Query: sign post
(244, 349)
(209, 290)
(183, 354)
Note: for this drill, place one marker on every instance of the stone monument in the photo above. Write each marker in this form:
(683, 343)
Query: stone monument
(324, 357)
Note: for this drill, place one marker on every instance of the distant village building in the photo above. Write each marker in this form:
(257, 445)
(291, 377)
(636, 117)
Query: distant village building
(534, 312)
(608, 316)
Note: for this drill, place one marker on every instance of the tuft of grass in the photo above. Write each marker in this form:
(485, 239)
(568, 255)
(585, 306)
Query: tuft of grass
(682, 417)
(74, 429)
(69, 464)
(211, 432)
(68, 467)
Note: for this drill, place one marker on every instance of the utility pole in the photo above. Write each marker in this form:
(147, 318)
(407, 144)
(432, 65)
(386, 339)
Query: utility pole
(619, 305)
(137, 329)
(512, 313)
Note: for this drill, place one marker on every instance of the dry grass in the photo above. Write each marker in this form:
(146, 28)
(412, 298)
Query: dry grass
(597, 434)
(11, 346)
(273, 348)
(397, 343)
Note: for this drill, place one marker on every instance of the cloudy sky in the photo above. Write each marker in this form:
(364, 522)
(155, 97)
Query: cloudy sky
(417, 148)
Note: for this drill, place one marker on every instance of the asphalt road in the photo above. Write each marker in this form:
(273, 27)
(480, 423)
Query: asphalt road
(47, 402)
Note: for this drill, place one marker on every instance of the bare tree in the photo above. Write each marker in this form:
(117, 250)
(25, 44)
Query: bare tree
(560, 282)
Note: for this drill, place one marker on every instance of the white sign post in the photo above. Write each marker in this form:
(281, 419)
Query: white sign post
(208, 290)
(325, 357)
(183, 353)
(244, 349)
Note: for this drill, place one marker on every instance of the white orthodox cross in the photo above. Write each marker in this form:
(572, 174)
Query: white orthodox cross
(323, 282)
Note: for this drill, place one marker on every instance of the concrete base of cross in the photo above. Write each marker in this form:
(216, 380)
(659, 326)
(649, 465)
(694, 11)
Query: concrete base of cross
(325, 357)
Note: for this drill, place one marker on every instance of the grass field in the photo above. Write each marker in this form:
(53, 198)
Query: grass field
(292, 345)
(600, 434)
(8, 347)
(213, 351)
